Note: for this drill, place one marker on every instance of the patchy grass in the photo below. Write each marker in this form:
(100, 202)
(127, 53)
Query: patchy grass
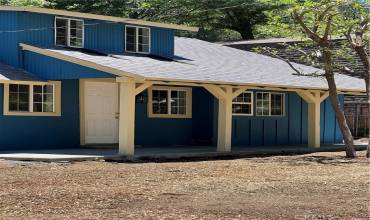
(314, 186)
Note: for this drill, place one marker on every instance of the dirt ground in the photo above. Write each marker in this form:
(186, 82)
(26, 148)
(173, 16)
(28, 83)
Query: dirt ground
(315, 186)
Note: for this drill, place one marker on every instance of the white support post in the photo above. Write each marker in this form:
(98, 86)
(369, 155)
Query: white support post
(314, 139)
(127, 117)
(225, 96)
(313, 100)
(225, 121)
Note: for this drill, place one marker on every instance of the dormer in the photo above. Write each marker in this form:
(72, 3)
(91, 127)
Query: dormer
(104, 34)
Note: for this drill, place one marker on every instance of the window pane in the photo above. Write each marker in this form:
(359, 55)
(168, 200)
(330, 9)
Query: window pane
(24, 88)
(144, 32)
(24, 107)
(277, 104)
(13, 106)
(48, 98)
(262, 104)
(43, 98)
(143, 40)
(48, 107)
(61, 32)
(76, 33)
(37, 107)
(23, 97)
(13, 97)
(13, 88)
(37, 97)
(160, 102)
(48, 89)
(131, 47)
(243, 104)
(130, 31)
(143, 48)
(131, 44)
(37, 89)
(18, 97)
(178, 102)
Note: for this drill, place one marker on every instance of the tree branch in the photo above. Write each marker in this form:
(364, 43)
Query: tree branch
(299, 18)
(283, 59)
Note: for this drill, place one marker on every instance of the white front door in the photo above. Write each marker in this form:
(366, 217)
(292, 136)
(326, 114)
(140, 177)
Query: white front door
(101, 113)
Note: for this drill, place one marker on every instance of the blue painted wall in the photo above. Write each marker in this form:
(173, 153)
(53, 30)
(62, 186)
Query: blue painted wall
(9, 40)
(246, 130)
(167, 132)
(102, 36)
(55, 69)
(288, 130)
(26, 132)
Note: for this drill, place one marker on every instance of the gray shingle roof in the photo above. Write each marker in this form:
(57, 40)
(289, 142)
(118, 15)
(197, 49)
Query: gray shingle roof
(200, 61)
(10, 73)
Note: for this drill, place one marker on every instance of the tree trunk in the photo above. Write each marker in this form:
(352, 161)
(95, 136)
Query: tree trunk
(368, 116)
(246, 32)
(329, 74)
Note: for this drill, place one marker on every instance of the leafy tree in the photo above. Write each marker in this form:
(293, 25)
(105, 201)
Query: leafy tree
(214, 17)
(357, 16)
(318, 21)
(23, 2)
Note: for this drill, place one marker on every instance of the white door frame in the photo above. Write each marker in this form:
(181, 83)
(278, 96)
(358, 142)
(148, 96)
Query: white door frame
(82, 85)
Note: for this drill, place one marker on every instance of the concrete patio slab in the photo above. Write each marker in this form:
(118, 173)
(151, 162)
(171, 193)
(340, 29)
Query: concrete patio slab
(161, 153)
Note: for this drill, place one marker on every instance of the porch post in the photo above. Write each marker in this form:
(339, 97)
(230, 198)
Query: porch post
(314, 139)
(225, 122)
(127, 117)
(313, 99)
(225, 96)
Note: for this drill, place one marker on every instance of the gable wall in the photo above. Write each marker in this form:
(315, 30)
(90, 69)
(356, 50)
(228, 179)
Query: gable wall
(103, 36)
(55, 69)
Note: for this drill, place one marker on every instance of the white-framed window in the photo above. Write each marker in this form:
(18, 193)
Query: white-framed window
(243, 104)
(170, 102)
(270, 104)
(69, 32)
(32, 99)
(137, 39)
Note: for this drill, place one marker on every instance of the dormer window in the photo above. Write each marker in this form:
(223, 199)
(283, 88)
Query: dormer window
(69, 32)
(137, 39)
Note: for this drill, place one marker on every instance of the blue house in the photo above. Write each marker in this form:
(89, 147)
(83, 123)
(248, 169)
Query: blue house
(69, 80)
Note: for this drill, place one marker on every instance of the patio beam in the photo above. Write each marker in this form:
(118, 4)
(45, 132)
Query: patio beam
(142, 87)
(127, 117)
(314, 100)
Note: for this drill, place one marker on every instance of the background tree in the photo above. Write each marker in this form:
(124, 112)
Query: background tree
(38, 3)
(217, 19)
(319, 21)
(357, 15)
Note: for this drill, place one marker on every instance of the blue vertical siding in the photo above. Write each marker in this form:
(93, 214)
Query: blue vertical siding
(292, 129)
(43, 36)
(55, 69)
(104, 36)
(167, 131)
(27, 132)
(163, 42)
(9, 40)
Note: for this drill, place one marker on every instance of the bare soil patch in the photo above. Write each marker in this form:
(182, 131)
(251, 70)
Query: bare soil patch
(314, 186)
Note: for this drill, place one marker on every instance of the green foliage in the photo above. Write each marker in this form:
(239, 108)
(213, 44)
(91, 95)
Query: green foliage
(38, 3)
(217, 19)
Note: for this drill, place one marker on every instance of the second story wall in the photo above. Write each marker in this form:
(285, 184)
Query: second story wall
(103, 36)
(8, 38)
